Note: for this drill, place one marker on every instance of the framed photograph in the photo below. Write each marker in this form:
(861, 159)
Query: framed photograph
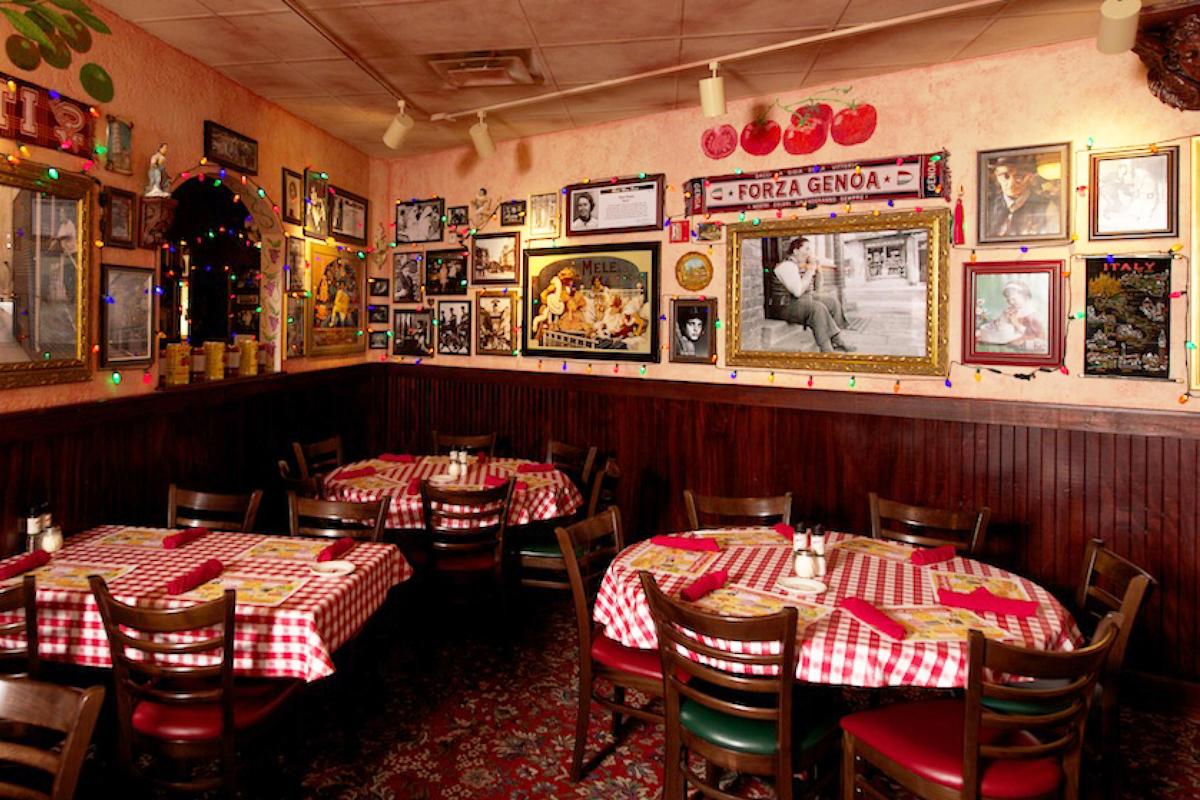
(408, 280)
(1025, 194)
(454, 328)
(155, 217)
(693, 271)
(420, 220)
(512, 213)
(495, 258)
(335, 316)
(412, 332)
(119, 157)
(680, 231)
(1128, 317)
(291, 210)
(316, 205)
(297, 315)
(543, 215)
(598, 302)
(127, 334)
(296, 264)
(377, 340)
(1134, 194)
(856, 293)
(633, 204)
(348, 217)
(496, 332)
(445, 272)
(709, 231)
(1012, 313)
(379, 287)
(377, 315)
(120, 218)
(457, 216)
(230, 148)
(693, 331)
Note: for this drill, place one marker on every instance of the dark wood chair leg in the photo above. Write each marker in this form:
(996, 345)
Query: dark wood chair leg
(1110, 745)
(619, 697)
(581, 723)
(674, 786)
(849, 768)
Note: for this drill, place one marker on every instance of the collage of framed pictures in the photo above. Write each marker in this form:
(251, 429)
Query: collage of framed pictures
(336, 310)
(497, 313)
(230, 148)
(412, 332)
(419, 221)
(495, 258)
(1013, 313)
(621, 206)
(1135, 193)
(454, 328)
(291, 210)
(316, 205)
(120, 218)
(348, 217)
(1024, 194)
(693, 330)
(127, 332)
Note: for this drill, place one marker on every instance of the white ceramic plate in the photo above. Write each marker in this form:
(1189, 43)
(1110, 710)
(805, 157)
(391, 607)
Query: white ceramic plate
(802, 585)
(441, 480)
(332, 568)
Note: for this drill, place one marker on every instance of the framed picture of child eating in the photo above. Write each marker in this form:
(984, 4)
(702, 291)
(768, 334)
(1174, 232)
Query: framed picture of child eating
(1012, 313)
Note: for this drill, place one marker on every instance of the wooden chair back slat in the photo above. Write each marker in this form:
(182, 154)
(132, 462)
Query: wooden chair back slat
(66, 710)
(576, 463)
(928, 527)
(713, 511)
(443, 443)
(318, 458)
(218, 512)
(1112, 583)
(332, 519)
(304, 487)
(603, 492)
(461, 522)
(21, 597)
(588, 547)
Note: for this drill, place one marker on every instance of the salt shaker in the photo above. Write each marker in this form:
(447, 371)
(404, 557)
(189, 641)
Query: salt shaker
(453, 469)
(805, 566)
(816, 543)
(52, 539)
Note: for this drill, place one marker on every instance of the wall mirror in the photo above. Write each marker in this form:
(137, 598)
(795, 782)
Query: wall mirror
(44, 276)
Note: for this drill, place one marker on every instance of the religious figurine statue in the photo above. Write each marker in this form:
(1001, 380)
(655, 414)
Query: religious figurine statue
(157, 179)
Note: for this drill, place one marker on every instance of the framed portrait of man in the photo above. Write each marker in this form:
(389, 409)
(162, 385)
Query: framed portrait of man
(1024, 194)
(693, 330)
(1134, 194)
(120, 218)
(615, 206)
(292, 208)
(1012, 313)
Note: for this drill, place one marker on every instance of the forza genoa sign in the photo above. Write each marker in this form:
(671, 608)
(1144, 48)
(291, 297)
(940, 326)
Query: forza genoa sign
(916, 177)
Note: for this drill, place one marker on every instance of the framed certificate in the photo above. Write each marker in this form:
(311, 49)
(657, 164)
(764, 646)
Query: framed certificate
(615, 206)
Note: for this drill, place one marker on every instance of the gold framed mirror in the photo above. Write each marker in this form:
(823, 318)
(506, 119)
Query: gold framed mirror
(45, 276)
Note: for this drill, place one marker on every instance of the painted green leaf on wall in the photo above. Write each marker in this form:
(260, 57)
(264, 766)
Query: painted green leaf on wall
(50, 30)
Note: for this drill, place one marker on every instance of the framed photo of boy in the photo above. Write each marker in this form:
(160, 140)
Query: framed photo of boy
(1134, 194)
(1024, 194)
(1012, 313)
(693, 331)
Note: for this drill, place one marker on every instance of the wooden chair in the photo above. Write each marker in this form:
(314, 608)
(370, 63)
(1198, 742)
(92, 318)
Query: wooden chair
(303, 487)
(319, 458)
(334, 519)
(740, 716)
(21, 597)
(587, 548)
(218, 512)
(64, 716)
(603, 493)
(928, 527)
(725, 511)
(444, 442)
(176, 711)
(964, 750)
(576, 463)
(464, 532)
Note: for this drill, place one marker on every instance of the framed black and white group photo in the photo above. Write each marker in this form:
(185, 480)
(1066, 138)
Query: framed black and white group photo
(420, 221)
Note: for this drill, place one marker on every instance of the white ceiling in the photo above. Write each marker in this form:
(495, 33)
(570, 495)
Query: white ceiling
(271, 51)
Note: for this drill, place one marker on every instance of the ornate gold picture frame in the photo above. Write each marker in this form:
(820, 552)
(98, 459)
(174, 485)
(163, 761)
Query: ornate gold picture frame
(856, 293)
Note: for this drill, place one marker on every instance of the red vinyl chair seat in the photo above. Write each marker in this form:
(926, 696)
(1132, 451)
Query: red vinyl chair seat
(926, 738)
(252, 703)
(613, 654)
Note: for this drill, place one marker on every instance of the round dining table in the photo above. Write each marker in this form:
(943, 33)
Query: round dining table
(541, 492)
(833, 645)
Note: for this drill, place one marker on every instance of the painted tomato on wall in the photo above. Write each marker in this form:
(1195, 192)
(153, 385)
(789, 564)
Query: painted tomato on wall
(809, 129)
(760, 137)
(854, 125)
(719, 141)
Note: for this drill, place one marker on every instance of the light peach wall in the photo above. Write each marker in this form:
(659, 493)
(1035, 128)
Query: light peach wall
(168, 95)
(1050, 94)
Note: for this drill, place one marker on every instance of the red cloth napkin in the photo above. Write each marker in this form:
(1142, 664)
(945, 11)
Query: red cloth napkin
(23, 564)
(398, 458)
(703, 543)
(191, 579)
(706, 583)
(871, 616)
(351, 474)
(933, 555)
(336, 549)
(183, 537)
(784, 530)
(491, 482)
(481, 457)
(535, 468)
(983, 600)
(414, 486)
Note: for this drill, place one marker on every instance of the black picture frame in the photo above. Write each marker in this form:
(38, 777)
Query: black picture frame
(408, 276)
(684, 348)
(512, 213)
(412, 332)
(412, 226)
(291, 179)
(446, 272)
(379, 287)
(230, 149)
(120, 204)
(115, 345)
(596, 192)
(316, 204)
(453, 340)
(377, 340)
(378, 314)
(295, 263)
(345, 208)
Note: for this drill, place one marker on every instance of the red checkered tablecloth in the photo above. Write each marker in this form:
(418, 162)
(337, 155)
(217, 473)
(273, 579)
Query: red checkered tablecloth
(839, 649)
(293, 640)
(549, 494)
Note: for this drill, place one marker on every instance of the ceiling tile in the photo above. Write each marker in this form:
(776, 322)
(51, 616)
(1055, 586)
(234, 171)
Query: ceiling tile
(904, 46)
(145, 10)
(1014, 33)
(213, 42)
(271, 80)
(560, 21)
(720, 16)
(785, 85)
(245, 6)
(409, 73)
(282, 35)
(456, 99)
(361, 31)
(862, 11)
(657, 94)
(452, 26)
(337, 76)
(793, 58)
(597, 62)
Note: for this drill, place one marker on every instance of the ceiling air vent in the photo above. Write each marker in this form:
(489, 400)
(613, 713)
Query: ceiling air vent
(495, 68)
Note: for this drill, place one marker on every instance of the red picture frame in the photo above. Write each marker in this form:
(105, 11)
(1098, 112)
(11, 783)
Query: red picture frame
(1013, 313)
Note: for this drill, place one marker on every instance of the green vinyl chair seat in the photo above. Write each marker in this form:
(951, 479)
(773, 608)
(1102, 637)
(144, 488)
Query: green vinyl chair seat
(756, 737)
(1027, 707)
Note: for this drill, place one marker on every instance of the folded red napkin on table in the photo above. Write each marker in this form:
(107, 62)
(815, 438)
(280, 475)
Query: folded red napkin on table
(351, 474)
(481, 457)
(687, 543)
(336, 549)
(183, 537)
(933, 555)
(25, 563)
(706, 583)
(491, 482)
(414, 486)
(398, 458)
(784, 530)
(192, 578)
(535, 468)
(983, 600)
(872, 617)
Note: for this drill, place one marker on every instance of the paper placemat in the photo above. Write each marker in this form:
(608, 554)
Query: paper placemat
(965, 584)
(875, 547)
(74, 575)
(294, 549)
(135, 537)
(672, 561)
(251, 590)
(941, 624)
(735, 600)
(750, 537)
